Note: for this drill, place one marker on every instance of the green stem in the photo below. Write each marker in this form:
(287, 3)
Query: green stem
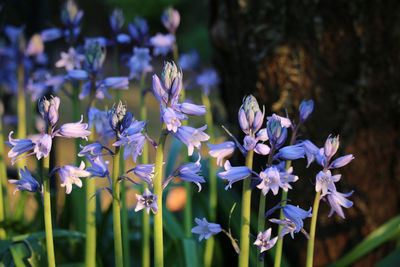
(209, 250)
(310, 244)
(116, 209)
(47, 213)
(245, 220)
(3, 178)
(144, 160)
(157, 187)
(175, 52)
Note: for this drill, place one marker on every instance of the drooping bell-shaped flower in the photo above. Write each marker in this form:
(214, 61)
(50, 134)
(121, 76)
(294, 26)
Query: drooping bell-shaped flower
(70, 175)
(138, 30)
(18, 147)
(270, 180)
(306, 108)
(145, 172)
(162, 43)
(221, 151)
(117, 20)
(189, 172)
(208, 79)
(91, 150)
(264, 241)
(191, 137)
(43, 146)
(74, 130)
(338, 200)
(98, 168)
(26, 183)
(205, 229)
(234, 174)
(325, 181)
(139, 62)
(342, 161)
(331, 146)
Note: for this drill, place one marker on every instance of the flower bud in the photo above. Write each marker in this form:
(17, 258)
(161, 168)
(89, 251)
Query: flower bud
(250, 115)
(169, 74)
(49, 109)
(171, 19)
(117, 20)
(119, 118)
(95, 54)
(331, 146)
(306, 108)
(275, 130)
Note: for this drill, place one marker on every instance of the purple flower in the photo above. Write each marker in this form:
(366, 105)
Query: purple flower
(162, 43)
(147, 201)
(233, 174)
(70, 175)
(191, 109)
(189, 61)
(276, 133)
(342, 161)
(264, 242)
(71, 60)
(191, 137)
(172, 119)
(91, 150)
(123, 38)
(249, 142)
(145, 172)
(291, 152)
(270, 180)
(338, 200)
(205, 229)
(285, 122)
(99, 167)
(70, 14)
(49, 109)
(139, 62)
(189, 172)
(74, 130)
(18, 147)
(207, 79)
(287, 177)
(306, 108)
(262, 149)
(94, 55)
(168, 91)
(139, 30)
(325, 181)
(133, 143)
(293, 220)
(26, 183)
(79, 75)
(13, 33)
(43, 146)
(117, 20)
(221, 151)
(250, 115)
(99, 119)
(119, 117)
(51, 34)
(331, 146)
(171, 19)
(310, 150)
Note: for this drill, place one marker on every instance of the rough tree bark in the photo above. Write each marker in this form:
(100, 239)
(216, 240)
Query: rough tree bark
(345, 56)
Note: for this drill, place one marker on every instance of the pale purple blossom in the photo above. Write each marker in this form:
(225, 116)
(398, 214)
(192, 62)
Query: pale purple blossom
(342, 161)
(91, 150)
(99, 167)
(43, 146)
(325, 182)
(191, 137)
(338, 200)
(264, 241)
(205, 229)
(147, 201)
(74, 130)
(171, 19)
(71, 60)
(306, 108)
(207, 79)
(162, 43)
(145, 172)
(221, 151)
(270, 180)
(189, 172)
(26, 183)
(18, 147)
(234, 174)
(293, 220)
(70, 175)
(139, 62)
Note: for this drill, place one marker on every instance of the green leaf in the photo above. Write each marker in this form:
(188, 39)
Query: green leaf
(173, 154)
(190, 251)
(393, 259)
(171, 225)
(384, 233)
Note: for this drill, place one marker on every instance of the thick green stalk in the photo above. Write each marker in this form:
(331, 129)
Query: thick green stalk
(77, 196)
(157, 187)
(47, 213)
(245, 220)
(90, 251)
(3, 178)
(310, 244)
(144, 160)
(209, 250)
(117, 209)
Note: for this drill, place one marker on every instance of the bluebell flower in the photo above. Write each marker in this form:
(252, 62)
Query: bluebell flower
(139, 63)
(91, 150)
(249, 143)
(117, 20)
(171, 19)
(287, 176)
(49, 109)
(26, 183)
(189, 61)
(162, 43)
(221, 151)
(207, 79)
(264, 241)
(306, 108)
(94, 56)
(250, 115)
(172, 119)
(291, 152)
(14, 33)
(70, 175)
(284, 122)
(147, 201)
(139, 30)
(331, 146)
(18, 147)
(55, 82)
(99, 119)
(234, 174)
(205, 229)
(116, 82)
(262, 149)
(43, 146)
(98, 168)
(325, 182)
(311, 151)
(276, 133)
(169, 89)
(51, 34)
(293, 220)
(133, 145)
(189, 172)
(119, 117)
(79, 75)
(191, 137)
(338, 200)
(144, 172)
(191, 109)
(270, 180)
(74, 130)
(71, 60)
(342, 161)
(123, 38)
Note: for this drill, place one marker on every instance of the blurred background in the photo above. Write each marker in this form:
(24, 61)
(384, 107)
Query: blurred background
(345, 55)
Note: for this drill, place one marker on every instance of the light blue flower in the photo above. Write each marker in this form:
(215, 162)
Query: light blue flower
(342, 161)
(221, 151)
(331, 146)
(189, 172)
(191, 109)
(293, 220)
(191, 137)
(117, 20)
(205, 229)
(189, 61)
(338, 200)
(91, 150)
(139, 62)
(43, 146)
(99, 167)
(51, 34)
(145, 172)
(291, 152)
(70, 175)
(264, 241)
(26, 183)
(147, 201)
(325, 182)
(18, 147)
(234, 174)
(162, 43)
(74, 130)
(250, 115)
(71, 60)
(49, 109)
(172, 119)
(270, 180)
(207, 79)
(306, 108)
(139, 30)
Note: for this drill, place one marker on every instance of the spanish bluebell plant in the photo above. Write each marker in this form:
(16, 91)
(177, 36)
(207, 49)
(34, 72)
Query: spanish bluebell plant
(41, 147)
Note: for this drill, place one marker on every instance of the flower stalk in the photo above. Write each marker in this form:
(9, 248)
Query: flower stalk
(3, 178)
(117, 209)
(311, 241)
(245, 220)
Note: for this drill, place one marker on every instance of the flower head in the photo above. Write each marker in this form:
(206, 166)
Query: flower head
(234, 174)
(71, 60)
(189, 172)
(139, 30)
(74, 130)
(43, 146)
(342, 161)
(250, 115)
(147, 201)
(26, 183)
(221, 151)
(18, 147)
(189, 61)
(70, 175)
(205, 229)
(264, 241)
(325, 182)
(207, 79)
(293, 220)
(139, 62)
(98, 168)
(91, 150)
(331, 146)
(270, 180)
(276, 133)
(145, 172)
(191, 137)
(120, 118)
(94, 56)
(117, 20)
(338, 200)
